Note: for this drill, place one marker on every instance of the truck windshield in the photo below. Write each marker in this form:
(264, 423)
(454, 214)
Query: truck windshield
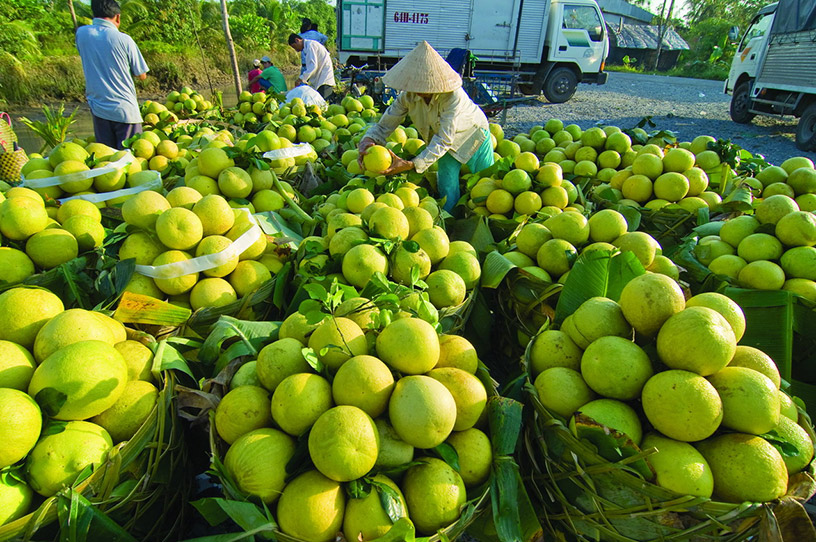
(759, 26)
(583, 18)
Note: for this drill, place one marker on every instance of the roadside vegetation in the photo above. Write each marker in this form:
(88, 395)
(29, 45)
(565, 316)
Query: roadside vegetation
(704, 26)
(181, 40)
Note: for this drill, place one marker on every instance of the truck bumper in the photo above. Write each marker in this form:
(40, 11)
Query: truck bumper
(596, 78)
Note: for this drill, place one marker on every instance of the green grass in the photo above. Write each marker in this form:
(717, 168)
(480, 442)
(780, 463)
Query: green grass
(59, 77)
(695, 70)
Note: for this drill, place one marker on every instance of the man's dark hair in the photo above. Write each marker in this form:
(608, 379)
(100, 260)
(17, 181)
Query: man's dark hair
(305, 25)
(314, 27)
(105, 9)
(293, 38)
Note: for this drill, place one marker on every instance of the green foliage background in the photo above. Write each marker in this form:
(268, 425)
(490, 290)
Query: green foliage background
(39, 61)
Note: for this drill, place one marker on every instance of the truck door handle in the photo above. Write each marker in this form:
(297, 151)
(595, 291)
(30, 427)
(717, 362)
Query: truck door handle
(562, 48)
(753, 57)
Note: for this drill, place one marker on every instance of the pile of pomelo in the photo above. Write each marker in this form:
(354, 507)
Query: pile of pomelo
(37, 237)
(668, 374)
(773, 248)
(375, 409)
(641, 175)
(175, 229)
(548, 249)
(183, 103)
(71, 387)
(78, 156)
(394, 233)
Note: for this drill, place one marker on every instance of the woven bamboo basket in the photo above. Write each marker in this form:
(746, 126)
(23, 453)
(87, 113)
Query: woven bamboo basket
(586, 497)
(141, 486)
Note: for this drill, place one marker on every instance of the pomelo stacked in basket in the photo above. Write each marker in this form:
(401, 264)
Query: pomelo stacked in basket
(87, 423)
(679, 433)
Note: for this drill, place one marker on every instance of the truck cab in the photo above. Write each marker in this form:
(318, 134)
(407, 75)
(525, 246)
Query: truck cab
(550, 45)
(745, 64)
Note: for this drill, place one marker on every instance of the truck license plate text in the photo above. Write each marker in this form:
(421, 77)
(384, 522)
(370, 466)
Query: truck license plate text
(407, 17)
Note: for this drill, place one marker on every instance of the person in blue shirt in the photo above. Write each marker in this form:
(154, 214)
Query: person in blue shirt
(308, 31)
(110, 62)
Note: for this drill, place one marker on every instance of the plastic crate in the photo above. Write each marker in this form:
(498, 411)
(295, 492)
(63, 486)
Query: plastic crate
(784, 327)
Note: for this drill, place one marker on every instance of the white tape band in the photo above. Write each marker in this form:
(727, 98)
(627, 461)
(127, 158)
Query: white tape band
(45, 182)
(154, 184)
(207, 261)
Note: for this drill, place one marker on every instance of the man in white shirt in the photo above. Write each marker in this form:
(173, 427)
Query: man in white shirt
(454, 127)
(317, 69)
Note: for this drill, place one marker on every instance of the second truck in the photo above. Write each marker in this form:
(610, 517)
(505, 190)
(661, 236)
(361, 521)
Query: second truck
(774, 68)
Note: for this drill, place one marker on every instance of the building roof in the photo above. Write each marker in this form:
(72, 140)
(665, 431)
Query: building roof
(644, 36)
(625, 9)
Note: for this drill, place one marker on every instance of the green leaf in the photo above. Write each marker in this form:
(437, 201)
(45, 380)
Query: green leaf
(359, 488)
(51, 400)
(246, 514)
(317, 292)
(390, 501)
(311, 358)
(165, 358)
(786, 448)
(596, 273)
(410, 246)
(739, 199)
(494, 269)
(81, 520)
(448, 454)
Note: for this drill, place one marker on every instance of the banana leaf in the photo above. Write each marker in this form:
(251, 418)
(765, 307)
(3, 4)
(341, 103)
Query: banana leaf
(596, 273)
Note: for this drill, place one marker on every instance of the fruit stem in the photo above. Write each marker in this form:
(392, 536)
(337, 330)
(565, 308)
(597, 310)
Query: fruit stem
(289, 201)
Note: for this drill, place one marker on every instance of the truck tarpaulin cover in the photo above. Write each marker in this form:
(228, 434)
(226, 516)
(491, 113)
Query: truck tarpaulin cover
(794, 16)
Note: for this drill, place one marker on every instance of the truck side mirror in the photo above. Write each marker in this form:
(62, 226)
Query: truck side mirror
(733, 33)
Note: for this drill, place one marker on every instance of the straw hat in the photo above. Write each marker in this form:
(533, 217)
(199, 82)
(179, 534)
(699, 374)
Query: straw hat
(423, 70)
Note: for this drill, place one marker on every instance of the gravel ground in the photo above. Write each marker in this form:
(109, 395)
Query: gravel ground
(689, 107)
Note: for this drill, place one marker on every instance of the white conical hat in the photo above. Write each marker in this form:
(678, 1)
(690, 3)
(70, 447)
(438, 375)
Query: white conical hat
(423, 70)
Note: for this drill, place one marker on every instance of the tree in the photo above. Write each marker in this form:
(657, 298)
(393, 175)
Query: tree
(662, 28)
(231, 47)
(739, 11)
(73, 13)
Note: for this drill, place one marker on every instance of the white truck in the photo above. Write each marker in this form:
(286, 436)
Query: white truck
(774, 68)
(552, 45)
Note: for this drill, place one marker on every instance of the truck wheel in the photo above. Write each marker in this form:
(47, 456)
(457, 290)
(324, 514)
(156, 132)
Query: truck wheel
(741, 104)
(560, 85)
(806, 129)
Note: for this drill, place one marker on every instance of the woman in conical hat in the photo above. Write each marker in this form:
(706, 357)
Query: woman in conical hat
(454, 127)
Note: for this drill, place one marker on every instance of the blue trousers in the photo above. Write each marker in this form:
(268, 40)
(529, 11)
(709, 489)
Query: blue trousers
(448, 168)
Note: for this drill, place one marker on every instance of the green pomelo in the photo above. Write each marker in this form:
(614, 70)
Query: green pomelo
(649, 300)
(422, 411)
(616, 367)
(80, 380)
(409, 345)
(682, 405)
(756, 359)
(365, 518)
(257, 462)
(435, 494)
(311, 508)
(344, 443)
(679, 467)
(64, 450)
(745, 468)
(750, 400)
(563, 390)
(299, 400)
(696, 339)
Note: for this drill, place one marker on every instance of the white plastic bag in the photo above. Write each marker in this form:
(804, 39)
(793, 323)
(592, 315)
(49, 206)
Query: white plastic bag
(309, 96)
